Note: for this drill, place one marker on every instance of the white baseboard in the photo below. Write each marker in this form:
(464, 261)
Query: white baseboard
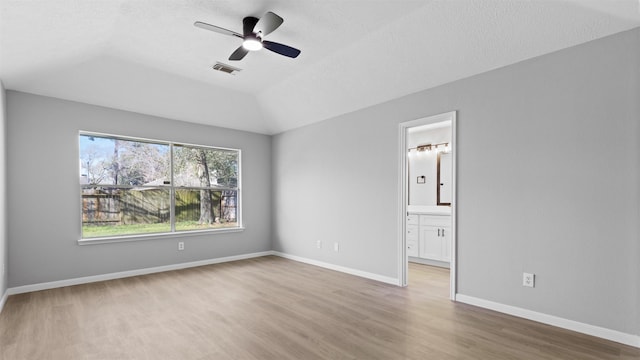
(124, 274)
(360, 273)
(613, 335)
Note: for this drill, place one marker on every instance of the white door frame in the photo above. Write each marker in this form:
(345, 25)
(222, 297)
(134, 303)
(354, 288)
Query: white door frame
(403, 198)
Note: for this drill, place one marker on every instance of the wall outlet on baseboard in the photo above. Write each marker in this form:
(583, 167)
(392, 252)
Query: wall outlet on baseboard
(319, 244)
(528, 280)
(180, 245)
(336, 247)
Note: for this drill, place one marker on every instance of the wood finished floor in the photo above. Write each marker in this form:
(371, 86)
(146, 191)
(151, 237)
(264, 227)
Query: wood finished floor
(273, 308)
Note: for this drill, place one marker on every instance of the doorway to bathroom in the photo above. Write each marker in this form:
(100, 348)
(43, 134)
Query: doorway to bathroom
(427, 203)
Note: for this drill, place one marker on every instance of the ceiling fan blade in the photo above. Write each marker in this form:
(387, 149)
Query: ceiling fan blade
(217, 29)
(268, 23)
(281, 49)
(239, 54)
(248, 24)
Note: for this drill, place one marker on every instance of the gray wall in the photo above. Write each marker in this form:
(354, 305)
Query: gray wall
(548, 174)
(4, 244)
(44, 216)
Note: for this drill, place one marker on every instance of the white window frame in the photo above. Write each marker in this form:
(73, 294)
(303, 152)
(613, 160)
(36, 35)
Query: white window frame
(172, 189)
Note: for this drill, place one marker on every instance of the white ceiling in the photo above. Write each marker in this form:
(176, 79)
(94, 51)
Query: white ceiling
(146, 56)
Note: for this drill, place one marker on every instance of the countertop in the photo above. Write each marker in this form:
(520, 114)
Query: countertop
(429, 210)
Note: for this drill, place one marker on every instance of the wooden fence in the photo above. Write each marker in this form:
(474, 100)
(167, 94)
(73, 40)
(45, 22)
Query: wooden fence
(132, 206)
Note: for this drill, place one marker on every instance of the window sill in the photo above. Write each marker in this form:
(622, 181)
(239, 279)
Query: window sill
(178, 234)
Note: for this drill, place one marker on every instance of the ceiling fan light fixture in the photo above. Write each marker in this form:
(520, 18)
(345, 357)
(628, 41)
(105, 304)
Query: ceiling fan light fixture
(252, 44)
(253, 32)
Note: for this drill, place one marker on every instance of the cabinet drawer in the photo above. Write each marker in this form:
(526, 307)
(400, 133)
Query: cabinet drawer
(435, 220)
(413, 233)
(412, 249)
(413, 219)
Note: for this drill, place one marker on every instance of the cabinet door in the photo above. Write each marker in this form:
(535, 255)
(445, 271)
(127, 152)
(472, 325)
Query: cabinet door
(430, 243)
(412, 249)
(445, 236)
(413, 234)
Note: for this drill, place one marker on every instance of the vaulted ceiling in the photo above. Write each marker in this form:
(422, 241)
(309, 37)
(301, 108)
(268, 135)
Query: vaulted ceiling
(146, 56)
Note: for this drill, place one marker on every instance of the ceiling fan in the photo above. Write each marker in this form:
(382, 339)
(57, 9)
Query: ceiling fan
(254, 30)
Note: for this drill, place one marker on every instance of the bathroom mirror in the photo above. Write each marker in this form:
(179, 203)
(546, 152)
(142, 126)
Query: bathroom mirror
(443, 183)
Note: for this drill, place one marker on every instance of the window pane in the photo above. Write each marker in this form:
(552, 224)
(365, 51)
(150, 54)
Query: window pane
(111, 161)
(128, 186)
(201, 209)
(114, 212)
(205, 167)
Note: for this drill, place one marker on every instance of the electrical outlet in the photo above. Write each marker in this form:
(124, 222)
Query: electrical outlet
(319, 244)
(180, 245)
(336, 247)
(528, 280)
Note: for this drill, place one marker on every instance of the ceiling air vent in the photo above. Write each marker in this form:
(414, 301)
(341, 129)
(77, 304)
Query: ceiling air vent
(226, 68)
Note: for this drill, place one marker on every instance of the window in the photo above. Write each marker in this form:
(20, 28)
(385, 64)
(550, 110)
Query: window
(136, 187)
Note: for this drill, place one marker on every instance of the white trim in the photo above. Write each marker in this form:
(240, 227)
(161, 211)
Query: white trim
(156, 236)
(403, 201)
(403, 198)
(604, 333)
(148, 140)
(360, 273)
(453, 264)
(3, 299)
(124, 274)
(437, 263)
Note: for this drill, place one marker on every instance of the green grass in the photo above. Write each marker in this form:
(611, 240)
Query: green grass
(92, 231)
(193, 225)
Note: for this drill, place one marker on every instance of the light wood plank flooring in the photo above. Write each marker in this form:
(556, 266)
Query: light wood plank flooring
(273, 308)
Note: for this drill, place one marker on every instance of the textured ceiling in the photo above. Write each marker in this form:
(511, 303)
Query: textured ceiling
(146, 56)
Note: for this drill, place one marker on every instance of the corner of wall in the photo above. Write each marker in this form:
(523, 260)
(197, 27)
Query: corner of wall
(636, 114)
(4, 246)
(272, 214)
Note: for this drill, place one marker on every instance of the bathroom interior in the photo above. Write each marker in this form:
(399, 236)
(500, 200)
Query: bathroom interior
(430, 172)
